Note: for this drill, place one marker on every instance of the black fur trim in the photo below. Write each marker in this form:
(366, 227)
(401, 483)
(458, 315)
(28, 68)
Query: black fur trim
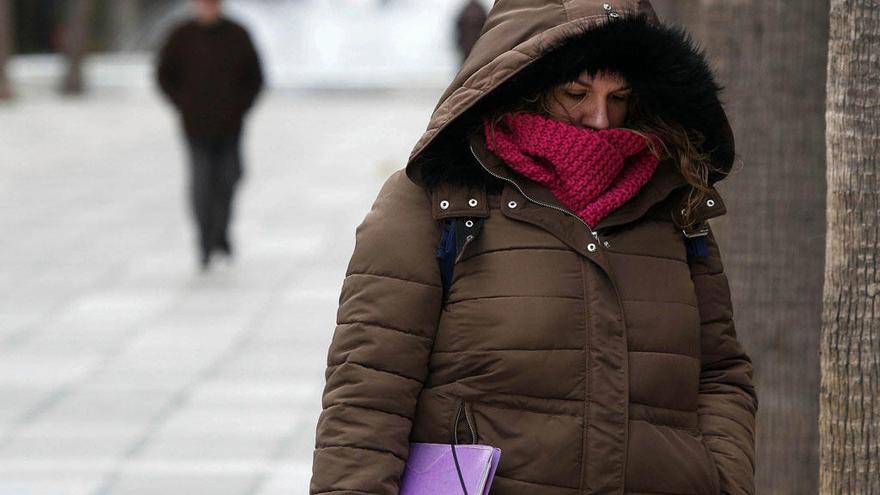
(669, 74)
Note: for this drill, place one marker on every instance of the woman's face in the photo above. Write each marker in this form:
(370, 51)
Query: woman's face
(598, 102)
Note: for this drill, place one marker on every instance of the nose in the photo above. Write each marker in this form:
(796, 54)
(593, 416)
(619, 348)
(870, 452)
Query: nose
(595, 115)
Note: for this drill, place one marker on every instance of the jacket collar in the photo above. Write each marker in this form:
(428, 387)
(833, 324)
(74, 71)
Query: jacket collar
(667, 186)
(665, 181)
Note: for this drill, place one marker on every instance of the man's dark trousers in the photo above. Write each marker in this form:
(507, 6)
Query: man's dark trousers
(215, 169)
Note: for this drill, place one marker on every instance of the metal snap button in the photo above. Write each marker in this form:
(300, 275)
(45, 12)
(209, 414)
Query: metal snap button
(473, 203)
(469, 223)
(710, 202)
(591, 247)
(444, 204)
(511, 204)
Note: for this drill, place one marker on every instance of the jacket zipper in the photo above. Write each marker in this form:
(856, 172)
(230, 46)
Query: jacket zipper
(563, 210)
(463, 247)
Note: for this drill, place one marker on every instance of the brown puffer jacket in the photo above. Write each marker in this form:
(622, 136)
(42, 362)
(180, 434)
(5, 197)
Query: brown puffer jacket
(600, 359)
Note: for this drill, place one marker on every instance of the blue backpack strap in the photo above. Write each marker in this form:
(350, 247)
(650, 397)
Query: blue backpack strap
(695, 240)
(456, 233)
(696, 247)
(446, 251)
(696, 231)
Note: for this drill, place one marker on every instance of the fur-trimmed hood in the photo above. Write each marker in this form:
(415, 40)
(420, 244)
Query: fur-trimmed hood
(529, 44)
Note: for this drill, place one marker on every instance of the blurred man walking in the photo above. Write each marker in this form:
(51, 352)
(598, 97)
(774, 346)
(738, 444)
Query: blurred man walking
(210, 70)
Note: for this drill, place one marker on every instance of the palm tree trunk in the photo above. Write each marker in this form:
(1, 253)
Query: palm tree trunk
(850, 400)
(771, 56)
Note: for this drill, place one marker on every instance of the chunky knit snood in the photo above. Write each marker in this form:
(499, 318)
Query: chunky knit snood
(592, 172)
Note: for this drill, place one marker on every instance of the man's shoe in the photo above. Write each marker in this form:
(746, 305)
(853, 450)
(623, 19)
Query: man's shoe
(224, 247)
(205, 261)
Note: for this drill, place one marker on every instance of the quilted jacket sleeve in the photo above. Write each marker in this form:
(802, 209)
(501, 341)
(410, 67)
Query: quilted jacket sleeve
(377, 361)
(727, 400)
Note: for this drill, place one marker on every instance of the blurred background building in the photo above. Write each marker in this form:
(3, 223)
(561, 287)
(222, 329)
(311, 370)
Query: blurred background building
(304, 43)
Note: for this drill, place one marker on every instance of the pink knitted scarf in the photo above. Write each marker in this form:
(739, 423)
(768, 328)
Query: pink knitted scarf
(591, 171)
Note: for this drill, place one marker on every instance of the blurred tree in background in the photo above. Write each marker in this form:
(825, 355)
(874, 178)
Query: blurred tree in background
(76, 38)
(6, 48)
(37, 24)
(41, 23)
(125, 18)
(850, 399)
(771, 56)
(75, 28)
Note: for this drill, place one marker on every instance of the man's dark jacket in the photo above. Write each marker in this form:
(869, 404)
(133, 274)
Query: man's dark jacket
(212, 74)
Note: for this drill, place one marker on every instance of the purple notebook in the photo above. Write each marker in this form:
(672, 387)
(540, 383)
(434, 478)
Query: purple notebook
(430, 469)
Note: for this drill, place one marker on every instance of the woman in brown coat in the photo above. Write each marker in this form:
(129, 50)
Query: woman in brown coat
(568, 174)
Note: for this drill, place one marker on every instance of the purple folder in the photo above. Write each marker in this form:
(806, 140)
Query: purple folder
(430, 469)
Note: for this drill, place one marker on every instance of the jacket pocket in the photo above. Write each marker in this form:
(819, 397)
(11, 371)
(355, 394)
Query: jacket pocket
(463, 428)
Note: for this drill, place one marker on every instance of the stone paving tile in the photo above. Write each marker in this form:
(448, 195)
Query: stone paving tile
(107, 406)
(47, 482)
(221, 392)
(208, 447)
(292, 451)
(244, 418)
(216, 483)
(18, 401)
(71, 443)
(42, 371)
(123, 369)
(293, 478)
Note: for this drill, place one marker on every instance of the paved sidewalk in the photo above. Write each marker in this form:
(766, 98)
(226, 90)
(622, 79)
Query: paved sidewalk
(123, 370)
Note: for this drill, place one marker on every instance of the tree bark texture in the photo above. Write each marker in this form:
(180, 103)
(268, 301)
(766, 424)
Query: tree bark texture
(771, 57)
(849, 420)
